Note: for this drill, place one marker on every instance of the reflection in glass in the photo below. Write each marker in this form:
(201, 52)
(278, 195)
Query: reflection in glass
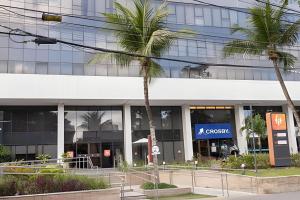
(168, 132)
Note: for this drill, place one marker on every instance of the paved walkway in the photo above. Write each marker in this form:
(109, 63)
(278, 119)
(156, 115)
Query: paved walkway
(219, 193)
(200, 190)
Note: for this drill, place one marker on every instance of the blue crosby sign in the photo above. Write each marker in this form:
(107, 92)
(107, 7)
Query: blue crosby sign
(213, 131)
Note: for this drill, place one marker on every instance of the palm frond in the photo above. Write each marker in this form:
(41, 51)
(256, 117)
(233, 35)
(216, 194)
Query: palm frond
(286, 59)
(120, 59)
(242, 47)
(159, 41)
(155, 70)
(290, 35)
(247, 32)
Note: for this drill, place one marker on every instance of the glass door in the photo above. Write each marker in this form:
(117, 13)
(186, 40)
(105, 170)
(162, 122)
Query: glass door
(95, 152)
(107, 155)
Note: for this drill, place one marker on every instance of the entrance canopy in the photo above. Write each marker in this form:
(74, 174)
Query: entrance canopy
(141, 141)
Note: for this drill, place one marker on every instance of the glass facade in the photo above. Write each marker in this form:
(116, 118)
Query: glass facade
(29, 58)
(29, 131)
(261, 110)
(168, 127)
(91, 130)
(212, 115)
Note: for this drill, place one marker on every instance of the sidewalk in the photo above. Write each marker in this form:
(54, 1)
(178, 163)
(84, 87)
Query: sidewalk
(218, 193)
(199, 190)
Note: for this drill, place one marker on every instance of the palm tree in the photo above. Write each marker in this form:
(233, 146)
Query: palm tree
(141, 30)
(269, 34)
(94, 121)
(255, 125)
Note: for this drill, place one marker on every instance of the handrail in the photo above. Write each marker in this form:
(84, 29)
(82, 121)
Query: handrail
(39, 161)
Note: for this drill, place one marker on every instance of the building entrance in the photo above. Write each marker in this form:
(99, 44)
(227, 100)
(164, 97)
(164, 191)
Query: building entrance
(104, 155)
(214, 132)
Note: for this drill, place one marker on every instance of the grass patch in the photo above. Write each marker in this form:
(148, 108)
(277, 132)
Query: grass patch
(151, 186)
(272, 172)
(185, 196)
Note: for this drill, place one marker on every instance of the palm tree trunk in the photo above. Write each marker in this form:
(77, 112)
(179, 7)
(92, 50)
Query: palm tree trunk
(286, 93)
(151, 125)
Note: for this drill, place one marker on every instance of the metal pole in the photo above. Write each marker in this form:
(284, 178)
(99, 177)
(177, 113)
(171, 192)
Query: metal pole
(227, 186)
(222, 184)
(253, 140)
(156, 186)
(193, 184)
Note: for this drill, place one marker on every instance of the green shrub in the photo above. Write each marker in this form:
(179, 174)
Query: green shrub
(295, 160)
(43, 157)
(38, 184)
(151, 186)
(8, 186)
(235, 162)
(4, 154)
(19, 169)
(51, 171)
(263, 161)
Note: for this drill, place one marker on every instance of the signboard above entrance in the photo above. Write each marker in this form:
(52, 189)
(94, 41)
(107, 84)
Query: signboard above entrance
(213, 131)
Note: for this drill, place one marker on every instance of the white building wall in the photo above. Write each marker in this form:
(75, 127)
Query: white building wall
(291, 129)
(187, 133)
(239, 123)
(87, 90)
(60, 130)
(127, 134)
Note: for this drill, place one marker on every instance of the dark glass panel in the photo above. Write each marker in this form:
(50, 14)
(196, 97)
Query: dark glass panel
(166, 118)
(106, 120)
(50, 121)
(117, 119)
(70, 120)
(36, 121)
(19, 121)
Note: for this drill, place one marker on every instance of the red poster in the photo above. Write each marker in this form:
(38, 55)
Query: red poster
(106, 153)
(70, 154)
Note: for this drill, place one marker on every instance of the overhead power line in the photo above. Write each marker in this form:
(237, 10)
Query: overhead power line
(233, 9)
(112, 29)
(46, 40)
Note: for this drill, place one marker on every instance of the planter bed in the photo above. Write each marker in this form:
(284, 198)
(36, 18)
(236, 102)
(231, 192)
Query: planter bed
(167, 192)
(107, 194)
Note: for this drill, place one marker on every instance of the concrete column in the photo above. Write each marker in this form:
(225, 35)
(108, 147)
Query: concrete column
(60, 130)
(187, 133)
(127, 134)
(239, 123)
(291, 129)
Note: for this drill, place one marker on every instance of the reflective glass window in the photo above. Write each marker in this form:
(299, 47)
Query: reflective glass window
(53, 68)
(216, 17)
(207, 16)
(189, 14)
(41, 68)
(66, 68)
(29, 67)
(3, 66)
(199, 17)
(180, 14)
(15, 67)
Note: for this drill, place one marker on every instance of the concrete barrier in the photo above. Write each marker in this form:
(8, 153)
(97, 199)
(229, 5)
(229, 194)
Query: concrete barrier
(272, 185)
(167, 192)
(223, 180)
(107, 194)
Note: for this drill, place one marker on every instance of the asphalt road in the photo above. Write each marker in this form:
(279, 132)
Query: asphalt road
(282, 196)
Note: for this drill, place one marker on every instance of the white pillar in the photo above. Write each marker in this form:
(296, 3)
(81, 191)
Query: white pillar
(239, 123)
(187, 133)
(60, 130)
(291, 129)
(127, 135)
